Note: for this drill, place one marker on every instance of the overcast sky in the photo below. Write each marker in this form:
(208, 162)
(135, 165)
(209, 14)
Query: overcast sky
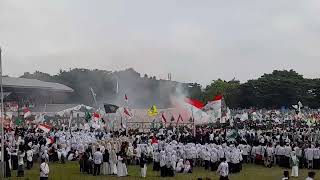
(197, 41)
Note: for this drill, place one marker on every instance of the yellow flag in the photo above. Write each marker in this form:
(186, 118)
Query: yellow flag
(153, 111)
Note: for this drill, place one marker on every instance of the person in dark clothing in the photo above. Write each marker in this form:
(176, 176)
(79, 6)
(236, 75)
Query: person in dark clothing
(143, 165)
(14, 158)
(7, 159)
(106, 165)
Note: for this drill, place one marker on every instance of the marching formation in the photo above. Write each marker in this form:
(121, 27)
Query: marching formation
(171, 150)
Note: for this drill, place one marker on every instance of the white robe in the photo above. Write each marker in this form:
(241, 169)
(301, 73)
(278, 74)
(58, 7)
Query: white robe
(295, 171)
(295, 168)
(186, 168)
(144, 171)
(106, 168)
(121, 168)
(113, 162)
(180, 166)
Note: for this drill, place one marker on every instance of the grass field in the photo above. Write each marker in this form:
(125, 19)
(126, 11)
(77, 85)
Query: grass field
(70, 171)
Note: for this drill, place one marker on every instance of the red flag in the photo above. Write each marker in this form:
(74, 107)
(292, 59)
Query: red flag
(164, 118)
(127, 112)
(96, 115)
(194, 102)
(218, 97)
(154, 140)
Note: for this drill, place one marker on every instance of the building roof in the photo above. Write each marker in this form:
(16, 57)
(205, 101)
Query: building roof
(23, 83)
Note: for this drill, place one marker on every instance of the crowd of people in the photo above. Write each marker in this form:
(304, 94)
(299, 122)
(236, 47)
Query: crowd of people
(223, 148)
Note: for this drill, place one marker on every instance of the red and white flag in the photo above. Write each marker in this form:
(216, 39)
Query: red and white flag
(127, 112)
(194, 102)
(191, 108)
(27, 113)
(44, 128)
(96, 116)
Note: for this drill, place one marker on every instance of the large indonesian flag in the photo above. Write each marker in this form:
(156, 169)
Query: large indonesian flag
(188, 107)
(44, 128)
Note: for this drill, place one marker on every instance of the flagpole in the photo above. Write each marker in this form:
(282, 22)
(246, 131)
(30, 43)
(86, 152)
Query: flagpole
(94, 97)
(2, 119)
(194, 124)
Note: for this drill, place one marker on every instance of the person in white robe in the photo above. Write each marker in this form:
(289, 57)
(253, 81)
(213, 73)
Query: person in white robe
(21, 155)
(235, 159)
(156, 160)
(169, 168)
(206, 158)
(130, 153)
(174, 161)
(311, 175)
(113, 162)
(309, 156)
(214, 159)
(163, 168)
(29, 159)
(44, 170)
(223, 169)
(316, 158)
(287, 154)
(270, 156)
(294, 162)
(180, 166)
(121, 167)
(187, 167)
(137, 154)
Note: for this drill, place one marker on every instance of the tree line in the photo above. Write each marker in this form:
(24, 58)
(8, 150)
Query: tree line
(275, 90)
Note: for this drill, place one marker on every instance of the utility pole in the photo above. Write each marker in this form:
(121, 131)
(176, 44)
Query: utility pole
(2, 119)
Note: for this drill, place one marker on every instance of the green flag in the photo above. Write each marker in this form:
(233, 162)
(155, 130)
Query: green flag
(18, 121)
(161, 125)
(87, 116)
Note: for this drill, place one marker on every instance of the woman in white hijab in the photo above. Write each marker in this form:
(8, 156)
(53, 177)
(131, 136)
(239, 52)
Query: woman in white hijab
(180, 166)
(187, 167)
(113, 162)
(121, 166)
(294, 162)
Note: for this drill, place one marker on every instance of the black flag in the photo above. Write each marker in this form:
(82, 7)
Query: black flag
(110, 108)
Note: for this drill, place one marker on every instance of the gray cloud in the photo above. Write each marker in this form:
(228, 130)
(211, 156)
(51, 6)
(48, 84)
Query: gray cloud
(196, 41)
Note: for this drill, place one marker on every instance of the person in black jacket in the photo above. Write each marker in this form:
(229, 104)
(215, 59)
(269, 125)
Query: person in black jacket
(6, 160)
(106, 165)
(143, 165)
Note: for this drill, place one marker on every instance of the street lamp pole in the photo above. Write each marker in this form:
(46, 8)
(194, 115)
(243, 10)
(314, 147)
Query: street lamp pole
(2, 119)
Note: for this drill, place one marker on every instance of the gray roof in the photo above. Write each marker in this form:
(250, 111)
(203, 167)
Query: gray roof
(34, 84)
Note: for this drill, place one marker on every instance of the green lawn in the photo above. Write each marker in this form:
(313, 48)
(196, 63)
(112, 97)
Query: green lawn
(71, 171)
